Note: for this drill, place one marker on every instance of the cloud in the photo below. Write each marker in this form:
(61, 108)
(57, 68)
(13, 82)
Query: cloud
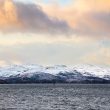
(86, 17)
(59, 52)
(100, 57)
(81, 17)
(8, 15)
(29, 18)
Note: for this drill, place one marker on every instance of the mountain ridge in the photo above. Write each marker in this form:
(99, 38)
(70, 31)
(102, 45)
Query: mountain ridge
(54, 74)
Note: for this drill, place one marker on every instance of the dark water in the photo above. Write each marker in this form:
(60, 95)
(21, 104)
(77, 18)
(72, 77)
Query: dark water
(54, 97)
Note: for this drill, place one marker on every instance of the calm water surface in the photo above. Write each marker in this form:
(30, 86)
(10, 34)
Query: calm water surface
(54, 97)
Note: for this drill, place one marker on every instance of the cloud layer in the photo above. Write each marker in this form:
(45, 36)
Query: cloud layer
(83, 27)
(86, 17)
(30, 18)
(81, 17)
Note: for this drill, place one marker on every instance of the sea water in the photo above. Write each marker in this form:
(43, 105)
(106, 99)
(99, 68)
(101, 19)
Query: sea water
(55, 97)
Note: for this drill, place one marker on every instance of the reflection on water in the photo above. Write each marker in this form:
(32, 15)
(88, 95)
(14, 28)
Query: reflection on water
(54, 97)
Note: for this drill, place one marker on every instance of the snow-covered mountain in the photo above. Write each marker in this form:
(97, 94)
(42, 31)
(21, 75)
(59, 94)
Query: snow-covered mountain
(57, 73)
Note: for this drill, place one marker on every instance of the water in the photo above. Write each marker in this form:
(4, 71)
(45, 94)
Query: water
(54, 97)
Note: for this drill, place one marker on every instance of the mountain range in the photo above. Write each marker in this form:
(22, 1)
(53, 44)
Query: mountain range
(54, 74)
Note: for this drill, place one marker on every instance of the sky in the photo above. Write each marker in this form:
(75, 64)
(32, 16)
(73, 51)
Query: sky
(50, 32)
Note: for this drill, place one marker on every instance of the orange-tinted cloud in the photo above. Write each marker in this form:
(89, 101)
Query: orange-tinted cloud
(20, 17)
(86, 17)
(8, 15)
(82, 17)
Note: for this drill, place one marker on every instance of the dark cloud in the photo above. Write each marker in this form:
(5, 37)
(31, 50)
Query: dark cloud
(30, 18)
